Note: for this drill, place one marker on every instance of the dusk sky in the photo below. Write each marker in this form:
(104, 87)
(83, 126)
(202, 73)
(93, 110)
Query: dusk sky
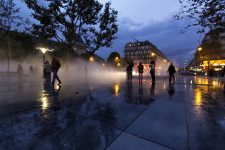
(153, 20)
(150, 20)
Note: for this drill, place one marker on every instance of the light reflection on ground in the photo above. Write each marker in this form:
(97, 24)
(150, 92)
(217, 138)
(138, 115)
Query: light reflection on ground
(102, 109)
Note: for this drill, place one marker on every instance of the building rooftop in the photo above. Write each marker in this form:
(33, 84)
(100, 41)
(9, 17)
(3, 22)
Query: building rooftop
(139, 43)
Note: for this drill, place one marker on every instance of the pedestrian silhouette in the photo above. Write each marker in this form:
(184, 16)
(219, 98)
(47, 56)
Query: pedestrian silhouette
(20, 69)
(55, 65)
(171, 70)
(140, 71)
(31, 69)
(152, 70)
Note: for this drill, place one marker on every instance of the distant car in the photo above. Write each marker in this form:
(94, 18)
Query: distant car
(187, 72)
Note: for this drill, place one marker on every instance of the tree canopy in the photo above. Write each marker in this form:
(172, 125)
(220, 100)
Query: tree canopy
(209, 14)
(114, 58)
(64, 20)
(9, 15)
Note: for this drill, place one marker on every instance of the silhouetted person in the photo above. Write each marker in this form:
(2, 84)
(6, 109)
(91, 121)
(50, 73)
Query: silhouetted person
(47, 72)
(20, 69)
(152, 70)
(152, 91)
(171, 70)
(140, 71)
(31, 70)
(55, 68)
(171, 89)
(130, 70)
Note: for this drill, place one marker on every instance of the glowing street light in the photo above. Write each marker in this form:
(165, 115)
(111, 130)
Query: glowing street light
(199, 49)
(164, 60)
(43, 51)
(153, 54)
(91, 59)
(118, 64)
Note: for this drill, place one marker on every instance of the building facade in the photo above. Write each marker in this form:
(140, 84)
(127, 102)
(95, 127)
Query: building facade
(210, 55)
(145, 52)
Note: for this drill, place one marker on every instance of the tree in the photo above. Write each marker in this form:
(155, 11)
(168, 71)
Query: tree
(114, 58)
(9, 20)
(65, 20)
(209, 14)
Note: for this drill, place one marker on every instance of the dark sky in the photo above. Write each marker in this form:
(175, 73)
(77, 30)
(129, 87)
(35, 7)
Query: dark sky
(166, 35)
(149, 20)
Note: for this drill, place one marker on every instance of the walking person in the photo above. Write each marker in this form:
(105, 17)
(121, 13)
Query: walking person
(55, 65)
(171, 70)
(152, 70)
(31, 69)
(20, 69)
(140, 71)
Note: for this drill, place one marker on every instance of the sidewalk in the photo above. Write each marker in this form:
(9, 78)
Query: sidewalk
(113, 115)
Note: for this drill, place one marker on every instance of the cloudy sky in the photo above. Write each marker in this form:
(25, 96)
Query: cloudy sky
(153, 20)
(150, 20)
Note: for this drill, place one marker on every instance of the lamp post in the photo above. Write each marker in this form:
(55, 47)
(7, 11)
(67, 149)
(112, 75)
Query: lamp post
(43, 51)
(199, 49)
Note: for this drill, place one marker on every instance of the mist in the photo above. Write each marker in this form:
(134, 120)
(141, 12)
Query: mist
(79, 71)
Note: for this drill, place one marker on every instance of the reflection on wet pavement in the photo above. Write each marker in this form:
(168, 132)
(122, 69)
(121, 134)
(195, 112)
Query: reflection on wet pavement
(189, 114)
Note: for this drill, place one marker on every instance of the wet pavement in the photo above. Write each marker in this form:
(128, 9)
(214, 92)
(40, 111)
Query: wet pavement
(113, 114)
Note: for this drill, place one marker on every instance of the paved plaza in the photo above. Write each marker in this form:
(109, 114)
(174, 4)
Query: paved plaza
(112, 114)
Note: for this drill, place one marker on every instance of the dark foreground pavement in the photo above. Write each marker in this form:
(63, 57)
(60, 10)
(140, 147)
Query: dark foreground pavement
(113, 115)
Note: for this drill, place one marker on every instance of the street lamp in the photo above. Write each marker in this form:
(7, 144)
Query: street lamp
(91, 59)
(199, 49)
(153, 54)
(43, 51)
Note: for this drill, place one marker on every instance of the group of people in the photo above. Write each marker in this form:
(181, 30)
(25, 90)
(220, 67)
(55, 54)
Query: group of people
(53, 69)
(48, 70)
(171, 70)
